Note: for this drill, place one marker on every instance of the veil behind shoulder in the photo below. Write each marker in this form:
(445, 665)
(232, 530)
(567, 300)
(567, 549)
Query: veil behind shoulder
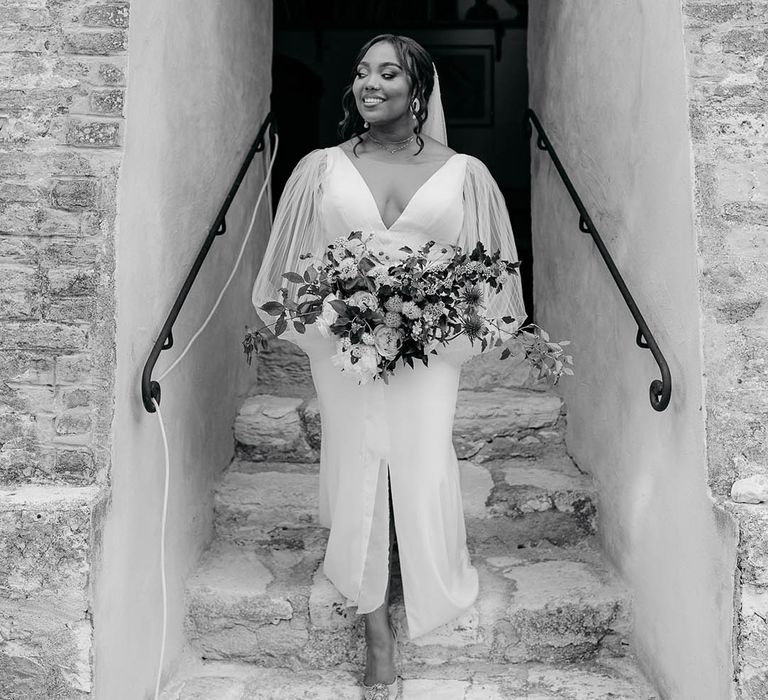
(434, 126)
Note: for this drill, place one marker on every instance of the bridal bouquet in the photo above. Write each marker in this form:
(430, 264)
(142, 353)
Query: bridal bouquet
(382, 311)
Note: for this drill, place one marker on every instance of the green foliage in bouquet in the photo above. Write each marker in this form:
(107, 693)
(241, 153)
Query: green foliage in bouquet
(383, 310)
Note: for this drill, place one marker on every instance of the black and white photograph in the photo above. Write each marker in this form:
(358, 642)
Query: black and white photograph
(390, 350)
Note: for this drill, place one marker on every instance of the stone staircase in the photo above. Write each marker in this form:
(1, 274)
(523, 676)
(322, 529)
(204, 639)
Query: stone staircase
(552, 619)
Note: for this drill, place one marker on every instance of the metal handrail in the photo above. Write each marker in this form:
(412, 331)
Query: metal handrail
(150, 389)
(660, 389)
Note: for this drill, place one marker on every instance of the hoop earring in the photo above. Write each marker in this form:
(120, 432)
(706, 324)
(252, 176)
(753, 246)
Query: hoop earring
(415, 105)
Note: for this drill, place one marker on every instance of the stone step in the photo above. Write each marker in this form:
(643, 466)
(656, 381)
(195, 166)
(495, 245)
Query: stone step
(519, 500)
(606, 679)
(489, 425)
(275, 607)
(283, 370)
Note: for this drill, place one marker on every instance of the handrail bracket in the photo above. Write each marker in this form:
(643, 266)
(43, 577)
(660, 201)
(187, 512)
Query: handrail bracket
(150, 389)
(660, 389)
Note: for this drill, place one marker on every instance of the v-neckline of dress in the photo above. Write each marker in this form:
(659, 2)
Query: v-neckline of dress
(367, 188)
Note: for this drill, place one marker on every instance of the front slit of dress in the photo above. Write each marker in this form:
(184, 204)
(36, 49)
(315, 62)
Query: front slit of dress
(417, 406)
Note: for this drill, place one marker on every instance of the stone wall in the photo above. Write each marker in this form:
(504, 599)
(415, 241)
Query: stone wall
(62, 78)
(608, 81)
(727, 65)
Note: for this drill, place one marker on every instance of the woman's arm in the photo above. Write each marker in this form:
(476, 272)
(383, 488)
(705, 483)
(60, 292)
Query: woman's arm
(486, 219)
(296, 229)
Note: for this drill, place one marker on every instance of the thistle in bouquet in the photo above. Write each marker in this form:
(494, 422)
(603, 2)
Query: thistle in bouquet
(383, 310)
(459, 286)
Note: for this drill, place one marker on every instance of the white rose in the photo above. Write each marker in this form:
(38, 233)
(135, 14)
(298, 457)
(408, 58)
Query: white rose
(363, 300)
(387, 341)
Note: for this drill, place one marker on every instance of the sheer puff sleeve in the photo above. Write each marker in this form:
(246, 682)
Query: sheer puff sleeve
(486, 219)
(296, 229)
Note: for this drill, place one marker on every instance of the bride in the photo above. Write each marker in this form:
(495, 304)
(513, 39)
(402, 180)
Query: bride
(388, 469)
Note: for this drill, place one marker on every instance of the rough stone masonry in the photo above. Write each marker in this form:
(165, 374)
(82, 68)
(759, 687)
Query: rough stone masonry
(727, 54)
(62, 82)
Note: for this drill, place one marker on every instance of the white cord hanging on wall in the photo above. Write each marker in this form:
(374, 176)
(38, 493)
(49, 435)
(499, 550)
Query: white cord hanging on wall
(166, 451)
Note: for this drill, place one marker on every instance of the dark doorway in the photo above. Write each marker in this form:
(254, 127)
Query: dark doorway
(479, 49)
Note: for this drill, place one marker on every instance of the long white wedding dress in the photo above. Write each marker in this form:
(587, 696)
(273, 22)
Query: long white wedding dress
(405, 426)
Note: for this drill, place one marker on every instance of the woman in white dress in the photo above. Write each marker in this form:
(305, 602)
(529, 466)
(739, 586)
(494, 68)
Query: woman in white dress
(387, 460)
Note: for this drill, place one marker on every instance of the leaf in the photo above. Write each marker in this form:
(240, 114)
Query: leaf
(273, 308)
(365, 265)
(305, 307)
(293, 277)
(299, 326)
(406, 249)
(281, 325)
(507, 319)
(338, 306)
(505, 353)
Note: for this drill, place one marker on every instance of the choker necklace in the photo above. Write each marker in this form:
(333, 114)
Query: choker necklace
(385, 145)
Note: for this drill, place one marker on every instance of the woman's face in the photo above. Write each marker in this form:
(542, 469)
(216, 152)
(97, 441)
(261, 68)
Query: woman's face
(381, 87)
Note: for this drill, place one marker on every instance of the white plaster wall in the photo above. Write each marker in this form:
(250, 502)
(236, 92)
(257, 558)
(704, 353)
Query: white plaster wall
(198, 90)
(607, 80)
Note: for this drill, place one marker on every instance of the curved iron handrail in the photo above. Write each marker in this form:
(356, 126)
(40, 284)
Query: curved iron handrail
(150, 389)
(660, 389)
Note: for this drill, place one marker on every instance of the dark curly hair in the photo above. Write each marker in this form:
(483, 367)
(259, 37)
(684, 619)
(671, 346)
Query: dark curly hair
(417, 64)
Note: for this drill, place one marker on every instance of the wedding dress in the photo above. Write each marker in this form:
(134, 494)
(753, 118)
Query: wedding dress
(404, 427)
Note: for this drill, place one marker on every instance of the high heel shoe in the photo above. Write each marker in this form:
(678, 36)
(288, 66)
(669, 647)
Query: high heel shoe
(384, 691)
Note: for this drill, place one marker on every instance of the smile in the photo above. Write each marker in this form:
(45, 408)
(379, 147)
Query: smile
(372, 100)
